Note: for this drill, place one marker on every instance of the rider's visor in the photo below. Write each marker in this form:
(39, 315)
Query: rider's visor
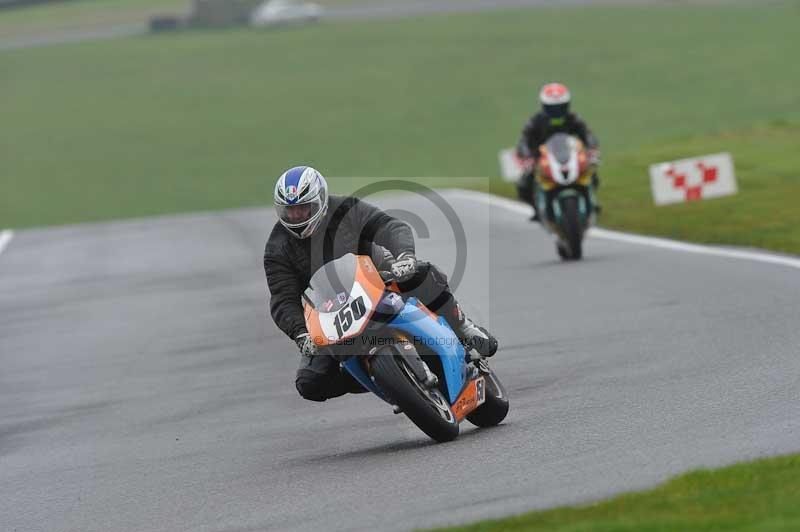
(556, 111)
(298, 215)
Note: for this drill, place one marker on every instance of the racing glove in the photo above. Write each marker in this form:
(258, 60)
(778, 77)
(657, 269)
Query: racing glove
(404, 267)
(306, 345)
(594, 157)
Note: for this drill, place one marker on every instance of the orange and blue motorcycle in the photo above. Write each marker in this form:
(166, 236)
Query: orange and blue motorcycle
(399, 350)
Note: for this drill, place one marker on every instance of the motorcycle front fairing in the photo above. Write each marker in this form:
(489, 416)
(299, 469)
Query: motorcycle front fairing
(348, 306)
(418, 327)
(436, 335)
(564, 171)
(389, 306)
(354, 366)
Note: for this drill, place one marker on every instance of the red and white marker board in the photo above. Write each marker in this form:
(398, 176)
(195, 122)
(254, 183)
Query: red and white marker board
(709, 176)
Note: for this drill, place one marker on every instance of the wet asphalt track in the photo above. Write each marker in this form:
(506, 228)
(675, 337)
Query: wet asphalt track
(143, 388)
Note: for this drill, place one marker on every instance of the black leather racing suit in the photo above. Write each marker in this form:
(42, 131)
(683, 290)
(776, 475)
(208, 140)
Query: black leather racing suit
(349, 226)
(537, 130)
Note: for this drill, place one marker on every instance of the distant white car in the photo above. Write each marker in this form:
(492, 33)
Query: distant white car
(280, 12)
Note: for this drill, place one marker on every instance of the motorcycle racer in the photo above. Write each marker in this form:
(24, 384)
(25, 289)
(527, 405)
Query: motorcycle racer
(554, 117)
(315, 228)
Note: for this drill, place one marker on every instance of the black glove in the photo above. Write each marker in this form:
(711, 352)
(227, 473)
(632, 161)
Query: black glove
(404, 267)
(306, 345)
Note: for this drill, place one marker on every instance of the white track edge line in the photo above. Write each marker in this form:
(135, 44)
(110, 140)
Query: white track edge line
(5, 238)
(628, 238)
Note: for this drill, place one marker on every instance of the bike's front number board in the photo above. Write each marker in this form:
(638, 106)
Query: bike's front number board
(351, 319)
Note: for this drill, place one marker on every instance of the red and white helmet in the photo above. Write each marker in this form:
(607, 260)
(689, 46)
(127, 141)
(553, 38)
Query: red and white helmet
(555, 99)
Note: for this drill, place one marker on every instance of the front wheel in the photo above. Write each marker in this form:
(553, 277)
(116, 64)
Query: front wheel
(572, 229)
(495, 408)
(426, 408)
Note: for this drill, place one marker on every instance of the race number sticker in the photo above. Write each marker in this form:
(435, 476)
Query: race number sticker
(348, 316)
(480, 390)
(473, 396)
(351, 319)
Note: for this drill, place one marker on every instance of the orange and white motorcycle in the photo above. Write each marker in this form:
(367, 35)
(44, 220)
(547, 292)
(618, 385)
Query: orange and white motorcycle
(564, 194)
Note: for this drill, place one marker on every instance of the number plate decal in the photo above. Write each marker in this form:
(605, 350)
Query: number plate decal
(473, 396)
(480, 388)
(351, 319)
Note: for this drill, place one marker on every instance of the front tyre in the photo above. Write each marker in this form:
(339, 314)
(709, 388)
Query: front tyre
(426, 408)
(572, 228)
(495, 408)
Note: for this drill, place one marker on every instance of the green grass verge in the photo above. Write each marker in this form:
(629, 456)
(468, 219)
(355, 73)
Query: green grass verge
(206, 120)
(761, 496)
(764, 213)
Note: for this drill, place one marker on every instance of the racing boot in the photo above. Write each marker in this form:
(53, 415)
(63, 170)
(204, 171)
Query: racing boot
(473, 336)
(477, 338)
(526, 191)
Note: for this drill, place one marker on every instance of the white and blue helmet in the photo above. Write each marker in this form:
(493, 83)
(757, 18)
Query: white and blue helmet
(301, 200)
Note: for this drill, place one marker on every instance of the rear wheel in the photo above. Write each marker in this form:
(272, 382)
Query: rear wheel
(426, 408)
(495, 408)
(571, 227)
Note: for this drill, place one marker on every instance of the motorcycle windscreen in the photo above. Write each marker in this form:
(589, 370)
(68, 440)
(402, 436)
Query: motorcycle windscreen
(341, 298)
(560, 147)
(564, 161)
(330, 286)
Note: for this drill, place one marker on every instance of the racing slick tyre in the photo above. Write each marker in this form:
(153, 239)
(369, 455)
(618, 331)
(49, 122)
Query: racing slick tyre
(571, 225)
(426, 408)
(495, 408)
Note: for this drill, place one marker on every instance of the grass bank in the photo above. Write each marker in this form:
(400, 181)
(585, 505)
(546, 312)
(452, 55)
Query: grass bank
(761, 496)
(205, 120)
